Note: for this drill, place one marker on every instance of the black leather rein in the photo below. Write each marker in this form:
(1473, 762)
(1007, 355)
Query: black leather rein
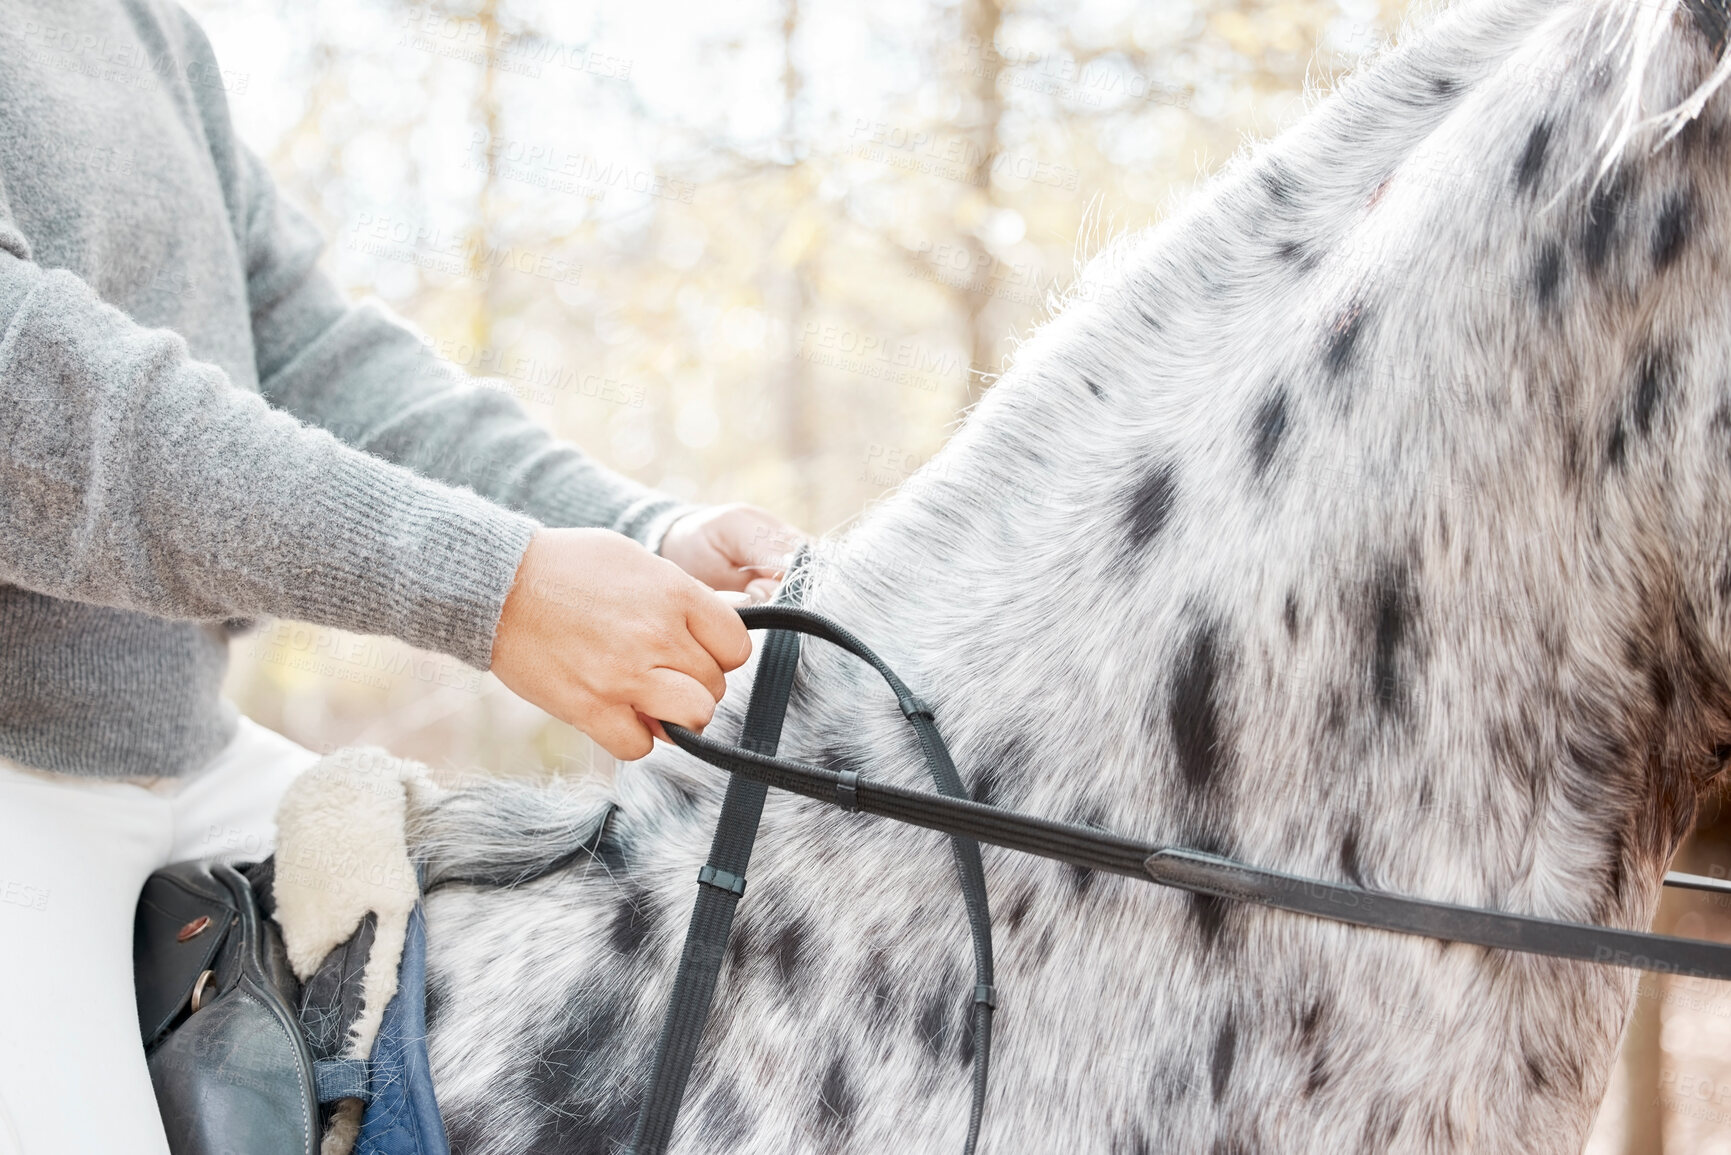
(721, 882)
(968, 822)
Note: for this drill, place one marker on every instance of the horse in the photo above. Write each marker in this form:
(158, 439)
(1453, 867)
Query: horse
(1368, 519)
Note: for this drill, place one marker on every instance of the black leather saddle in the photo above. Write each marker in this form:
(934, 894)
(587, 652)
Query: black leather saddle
(217, 1006)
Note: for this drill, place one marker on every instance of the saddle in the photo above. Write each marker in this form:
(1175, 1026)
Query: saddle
(218, 1008)
(282, 1003)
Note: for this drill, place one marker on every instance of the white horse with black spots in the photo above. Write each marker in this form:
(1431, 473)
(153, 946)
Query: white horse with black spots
(1370, 519)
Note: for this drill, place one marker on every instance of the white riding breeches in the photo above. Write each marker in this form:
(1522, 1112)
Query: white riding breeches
(74, 854)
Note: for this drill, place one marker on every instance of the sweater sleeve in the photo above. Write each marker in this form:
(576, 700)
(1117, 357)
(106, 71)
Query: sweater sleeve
(365, 375)
(134, 476)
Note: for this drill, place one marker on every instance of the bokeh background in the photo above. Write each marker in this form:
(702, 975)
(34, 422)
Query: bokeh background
(771, 250)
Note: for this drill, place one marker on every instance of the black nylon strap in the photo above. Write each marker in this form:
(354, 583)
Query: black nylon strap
(1208, 874)
(724, 876)
(970, 871)
(722, 882)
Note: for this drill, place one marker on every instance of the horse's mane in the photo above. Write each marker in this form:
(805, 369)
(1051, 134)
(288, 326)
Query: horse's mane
(1644, 30)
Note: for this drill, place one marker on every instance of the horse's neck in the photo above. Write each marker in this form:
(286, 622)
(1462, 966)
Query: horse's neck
(1295, 540)
(1328, 580)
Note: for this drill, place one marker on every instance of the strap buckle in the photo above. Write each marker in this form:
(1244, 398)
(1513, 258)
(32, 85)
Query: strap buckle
(847, 789)
(723, 880)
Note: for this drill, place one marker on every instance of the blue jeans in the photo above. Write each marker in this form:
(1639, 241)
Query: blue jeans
(403, 1117)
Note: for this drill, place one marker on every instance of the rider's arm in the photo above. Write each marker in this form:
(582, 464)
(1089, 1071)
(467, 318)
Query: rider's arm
(132, 475)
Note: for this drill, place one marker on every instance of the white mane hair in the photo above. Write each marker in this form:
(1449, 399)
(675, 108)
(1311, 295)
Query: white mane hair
(1370, 519)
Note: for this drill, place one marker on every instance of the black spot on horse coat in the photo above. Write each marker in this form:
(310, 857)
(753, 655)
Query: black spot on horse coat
(1604, 210)
(1220, 1061)
(1671, 234)
(1195, 714)
(1535, 1072)
(610, 853)
(1383, 1124)
(1652, 379)
(437, 992)
(1278, 183)
(985, 787)
(933, 1024)
(632, 921)
(1532, 162)
(723, 1119)
(1599, 756)
(965, 1044)
(787, 949)
(1267, 430)
(576, 1132)
(1343, 337)
(568, 1080)
(742, 946)
(1307, 1026)
(1151, 505)
(1010, 760)
(1393, 614)
(1548, 274)
(835, 1098)
(1081, 878)
(1349, 863)
(1317, 1079)
(1209, 913)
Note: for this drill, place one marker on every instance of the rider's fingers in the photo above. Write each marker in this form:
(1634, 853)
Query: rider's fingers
(697, 664)
(622, 734)
(718, 629)
(671, 696)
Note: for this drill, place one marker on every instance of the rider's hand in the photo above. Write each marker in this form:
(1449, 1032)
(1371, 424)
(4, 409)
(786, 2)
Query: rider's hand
(733, 547)
(601, 633)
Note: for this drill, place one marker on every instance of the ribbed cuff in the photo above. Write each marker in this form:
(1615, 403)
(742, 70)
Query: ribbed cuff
(648, 520)
(423, 562)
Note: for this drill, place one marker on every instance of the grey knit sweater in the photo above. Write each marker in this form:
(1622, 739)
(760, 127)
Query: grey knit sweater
(197, 429)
